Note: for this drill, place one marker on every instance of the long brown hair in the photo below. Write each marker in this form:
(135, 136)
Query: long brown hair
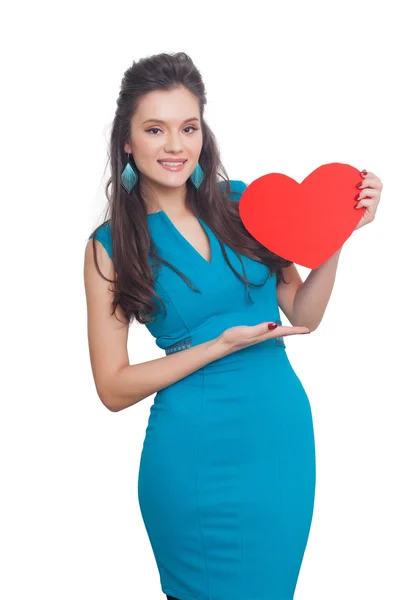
(126, 214)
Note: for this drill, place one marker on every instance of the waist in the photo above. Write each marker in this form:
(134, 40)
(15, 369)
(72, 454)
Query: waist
(207, 334)
(266, 356)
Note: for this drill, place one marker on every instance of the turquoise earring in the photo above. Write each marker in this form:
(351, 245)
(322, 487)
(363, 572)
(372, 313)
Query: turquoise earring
(197, 176)
(128, 177)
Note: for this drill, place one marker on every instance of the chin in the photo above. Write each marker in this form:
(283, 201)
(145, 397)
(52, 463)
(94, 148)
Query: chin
(176, 181)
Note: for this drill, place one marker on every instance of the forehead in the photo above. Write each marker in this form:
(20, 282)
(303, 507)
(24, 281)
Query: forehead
(168, 105)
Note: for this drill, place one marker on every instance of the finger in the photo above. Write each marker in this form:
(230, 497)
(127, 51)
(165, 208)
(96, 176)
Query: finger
(278, 331)
(371, 181)
(368, 203)
(367, 193)
(262, 328)
(285, 330)
(368, 182)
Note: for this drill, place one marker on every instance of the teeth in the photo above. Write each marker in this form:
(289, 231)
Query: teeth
(172, 164)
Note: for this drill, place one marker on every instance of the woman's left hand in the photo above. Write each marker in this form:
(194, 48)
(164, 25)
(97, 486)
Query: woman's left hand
(369, 197)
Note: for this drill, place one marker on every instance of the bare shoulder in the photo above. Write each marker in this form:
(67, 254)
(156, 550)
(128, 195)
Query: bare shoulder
(107, 335)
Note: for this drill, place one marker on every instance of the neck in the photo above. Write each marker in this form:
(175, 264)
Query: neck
(171, 200)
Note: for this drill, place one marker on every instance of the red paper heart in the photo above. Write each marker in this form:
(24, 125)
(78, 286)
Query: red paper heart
(303, 222)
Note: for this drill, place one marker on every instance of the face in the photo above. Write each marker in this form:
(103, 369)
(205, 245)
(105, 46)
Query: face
(178, 136)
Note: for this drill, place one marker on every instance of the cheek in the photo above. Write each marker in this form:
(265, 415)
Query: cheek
(194, 145)
(147, 146)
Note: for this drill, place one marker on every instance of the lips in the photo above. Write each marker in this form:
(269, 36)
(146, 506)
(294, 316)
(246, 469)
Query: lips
(174, 167)
(173, 160)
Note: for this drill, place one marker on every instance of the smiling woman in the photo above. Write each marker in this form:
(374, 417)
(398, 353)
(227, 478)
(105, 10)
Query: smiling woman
(227, 469)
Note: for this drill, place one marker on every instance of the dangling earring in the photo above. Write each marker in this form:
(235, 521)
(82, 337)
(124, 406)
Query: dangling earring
(128, 177)
(197, 176)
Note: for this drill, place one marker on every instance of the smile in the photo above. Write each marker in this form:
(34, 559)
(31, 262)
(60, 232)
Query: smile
(172, 166)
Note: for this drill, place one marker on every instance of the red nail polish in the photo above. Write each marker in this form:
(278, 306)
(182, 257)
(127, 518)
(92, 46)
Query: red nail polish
(356, 197)
(359, 184)
(272, 326)
(364, 172)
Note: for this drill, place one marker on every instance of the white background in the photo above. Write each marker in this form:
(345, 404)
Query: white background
(290, 86)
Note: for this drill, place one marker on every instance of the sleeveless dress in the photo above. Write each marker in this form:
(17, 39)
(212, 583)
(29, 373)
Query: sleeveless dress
(227, 471)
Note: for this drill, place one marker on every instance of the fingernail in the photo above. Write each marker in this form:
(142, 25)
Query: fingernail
(359, 184)
(364, 172)
(272, 325)
(305, 332)
(356, 197)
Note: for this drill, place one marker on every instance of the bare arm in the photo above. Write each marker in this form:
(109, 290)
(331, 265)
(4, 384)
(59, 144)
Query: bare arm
(304, 303)
(313, 295)
(135, 382)
(119, 384)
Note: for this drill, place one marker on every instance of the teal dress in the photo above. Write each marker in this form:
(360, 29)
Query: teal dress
(227, 471)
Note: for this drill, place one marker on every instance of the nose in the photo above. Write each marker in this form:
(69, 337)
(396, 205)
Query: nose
(174, 143)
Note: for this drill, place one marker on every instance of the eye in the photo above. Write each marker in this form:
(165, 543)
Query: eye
(151, 129)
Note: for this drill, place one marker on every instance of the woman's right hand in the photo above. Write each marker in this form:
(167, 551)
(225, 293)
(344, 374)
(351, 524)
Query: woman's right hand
(241, 336)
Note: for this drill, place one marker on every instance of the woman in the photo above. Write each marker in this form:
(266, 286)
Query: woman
(227, 472)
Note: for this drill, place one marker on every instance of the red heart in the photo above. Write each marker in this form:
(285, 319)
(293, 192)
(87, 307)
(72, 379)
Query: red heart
(303, 222)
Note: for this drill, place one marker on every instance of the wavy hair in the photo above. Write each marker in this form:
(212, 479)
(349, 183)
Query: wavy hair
(126, 214)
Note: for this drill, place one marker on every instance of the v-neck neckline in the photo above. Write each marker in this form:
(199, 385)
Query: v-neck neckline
(209, 263)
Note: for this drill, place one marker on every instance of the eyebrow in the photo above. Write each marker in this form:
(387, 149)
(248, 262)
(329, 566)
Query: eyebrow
(160, 121)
